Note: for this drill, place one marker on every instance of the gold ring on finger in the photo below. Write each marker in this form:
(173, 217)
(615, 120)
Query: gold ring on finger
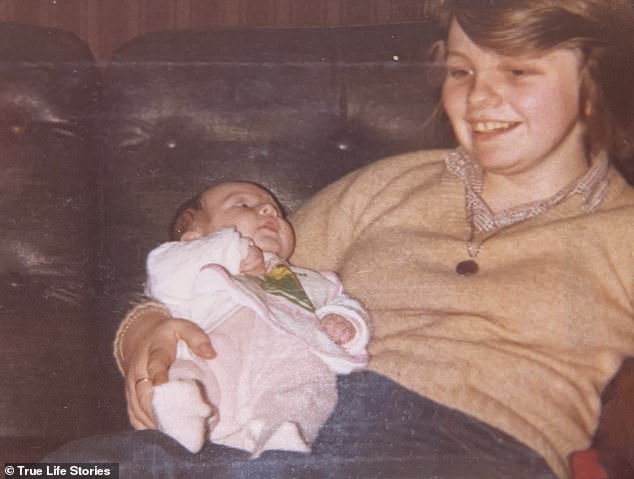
(142, 380)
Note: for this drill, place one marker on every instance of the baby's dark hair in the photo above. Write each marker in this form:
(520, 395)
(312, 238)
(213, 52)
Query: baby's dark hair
(185, 217)
(189, 213)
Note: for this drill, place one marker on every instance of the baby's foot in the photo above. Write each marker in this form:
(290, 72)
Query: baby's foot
(183, 413)
(286, 437)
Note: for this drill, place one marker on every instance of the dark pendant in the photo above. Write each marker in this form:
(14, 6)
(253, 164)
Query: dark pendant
(467, 267)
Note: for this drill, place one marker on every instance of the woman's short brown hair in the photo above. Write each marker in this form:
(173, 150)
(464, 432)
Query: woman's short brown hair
(603, 30)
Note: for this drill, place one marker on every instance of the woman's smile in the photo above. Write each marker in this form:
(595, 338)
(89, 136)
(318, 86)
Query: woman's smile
(492, 127)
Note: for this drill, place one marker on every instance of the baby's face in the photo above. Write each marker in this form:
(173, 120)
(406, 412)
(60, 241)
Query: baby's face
(253, 212)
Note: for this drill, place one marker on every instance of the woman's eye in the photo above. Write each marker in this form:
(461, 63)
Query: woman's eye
(518, 71)
(458, 73)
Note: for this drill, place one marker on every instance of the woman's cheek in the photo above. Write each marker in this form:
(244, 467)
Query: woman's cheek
(456, 114)
(454, 101)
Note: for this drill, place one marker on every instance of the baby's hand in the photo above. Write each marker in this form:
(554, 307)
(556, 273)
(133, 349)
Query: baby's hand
(338, 328)
(253, 262)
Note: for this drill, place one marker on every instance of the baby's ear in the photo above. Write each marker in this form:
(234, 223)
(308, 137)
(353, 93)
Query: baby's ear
(191, 235)
(183, 225)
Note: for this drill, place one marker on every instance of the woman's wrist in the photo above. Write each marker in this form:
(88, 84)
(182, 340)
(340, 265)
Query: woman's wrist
(136, 324)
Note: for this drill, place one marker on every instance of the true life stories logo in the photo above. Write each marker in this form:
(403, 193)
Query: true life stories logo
(61, 470)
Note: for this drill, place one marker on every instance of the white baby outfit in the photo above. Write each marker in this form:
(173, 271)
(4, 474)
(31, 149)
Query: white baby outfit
(273, 381)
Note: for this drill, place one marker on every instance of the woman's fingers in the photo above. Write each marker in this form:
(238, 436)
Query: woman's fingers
(197, 340)
(158, 364)
(144, 396)
(139, 398)
(150, 364)
(147, 370)
(136, 424)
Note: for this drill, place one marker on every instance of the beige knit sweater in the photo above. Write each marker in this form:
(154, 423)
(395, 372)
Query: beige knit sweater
(528, 343)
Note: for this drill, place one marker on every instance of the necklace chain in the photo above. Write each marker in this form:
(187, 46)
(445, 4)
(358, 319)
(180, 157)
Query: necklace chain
(470, 266)
(473, 246)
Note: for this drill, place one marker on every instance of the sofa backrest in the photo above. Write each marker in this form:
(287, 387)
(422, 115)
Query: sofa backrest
(48, 90)
(293, 109)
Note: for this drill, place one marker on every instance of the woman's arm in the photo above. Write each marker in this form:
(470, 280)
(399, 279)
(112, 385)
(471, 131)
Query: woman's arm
(145, 347)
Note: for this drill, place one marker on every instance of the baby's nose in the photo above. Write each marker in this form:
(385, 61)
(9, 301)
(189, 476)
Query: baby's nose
(267, 209)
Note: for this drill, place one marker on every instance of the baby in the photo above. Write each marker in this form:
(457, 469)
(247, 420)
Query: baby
(282, 333)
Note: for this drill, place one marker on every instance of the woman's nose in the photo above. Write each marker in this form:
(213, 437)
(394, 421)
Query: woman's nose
(267, 209)
(484, 92)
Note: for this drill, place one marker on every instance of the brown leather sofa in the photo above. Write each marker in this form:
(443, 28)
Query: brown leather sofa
(95, 159)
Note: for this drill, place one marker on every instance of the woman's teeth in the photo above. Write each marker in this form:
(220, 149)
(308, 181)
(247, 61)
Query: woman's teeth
(489, 126)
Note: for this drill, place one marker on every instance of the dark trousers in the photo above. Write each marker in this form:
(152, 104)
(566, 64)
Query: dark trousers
(379, 430)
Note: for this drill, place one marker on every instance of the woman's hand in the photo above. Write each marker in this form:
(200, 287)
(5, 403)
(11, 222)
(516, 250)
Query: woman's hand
(149, 348)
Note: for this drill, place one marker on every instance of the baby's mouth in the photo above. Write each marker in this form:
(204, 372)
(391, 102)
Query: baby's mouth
(269, 225)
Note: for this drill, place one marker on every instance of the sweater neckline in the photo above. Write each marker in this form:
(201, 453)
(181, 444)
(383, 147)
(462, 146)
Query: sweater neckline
(582, 195)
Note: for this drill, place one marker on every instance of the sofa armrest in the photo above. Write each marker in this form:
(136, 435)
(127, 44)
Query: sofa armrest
(614, 439)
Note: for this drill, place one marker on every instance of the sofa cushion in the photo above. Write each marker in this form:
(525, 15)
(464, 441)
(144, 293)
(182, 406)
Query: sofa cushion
(48, 87)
